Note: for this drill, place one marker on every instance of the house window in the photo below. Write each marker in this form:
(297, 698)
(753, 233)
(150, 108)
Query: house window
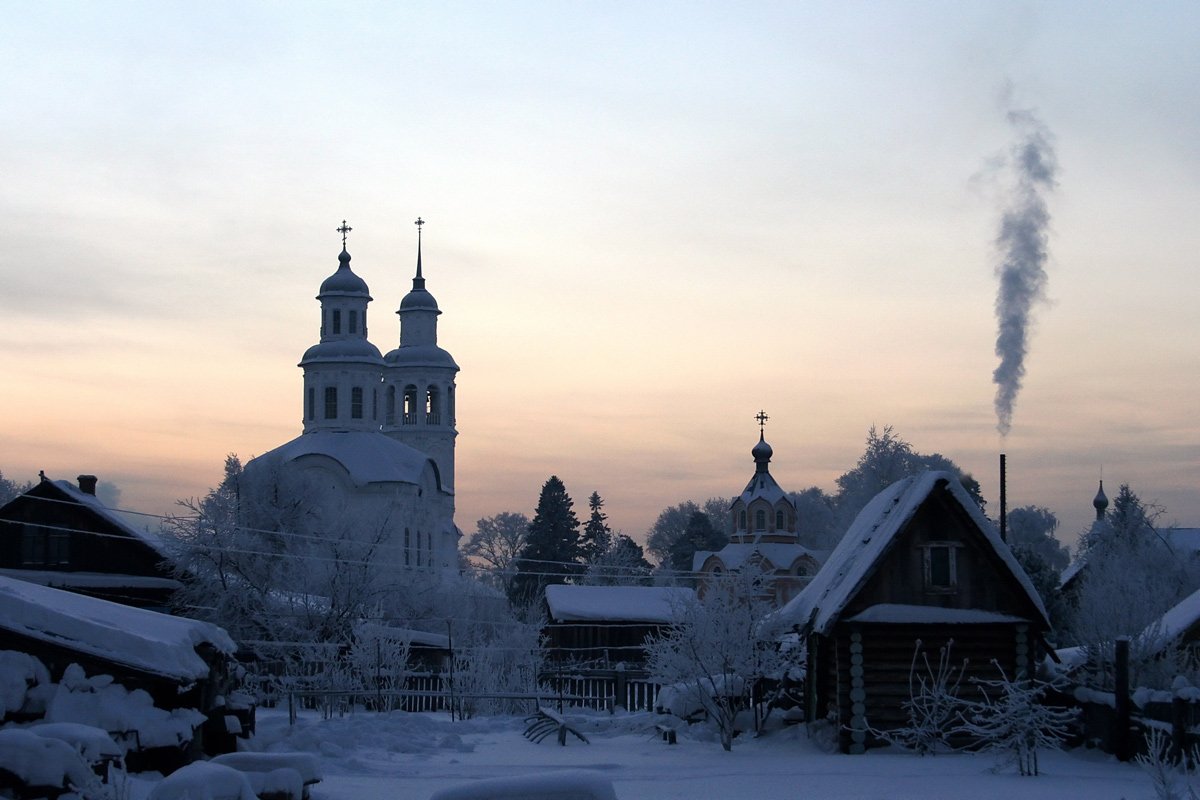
(58, 552)
(941, 568)
(33, 547)
(778, 520)
(337, 320)
(330, 402)
(760, 520)
(356, 403)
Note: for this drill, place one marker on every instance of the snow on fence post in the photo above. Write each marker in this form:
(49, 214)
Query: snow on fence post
(858, 696)
(1121, 739)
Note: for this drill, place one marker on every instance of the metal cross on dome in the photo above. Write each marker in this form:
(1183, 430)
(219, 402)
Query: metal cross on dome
(762, 418)
(343, 230)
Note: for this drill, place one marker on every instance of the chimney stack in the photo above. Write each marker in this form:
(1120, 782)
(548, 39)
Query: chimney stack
(87, 484)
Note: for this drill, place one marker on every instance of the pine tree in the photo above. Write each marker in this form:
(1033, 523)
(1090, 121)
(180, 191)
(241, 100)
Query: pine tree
(700, 534)
(597, 536)
(553, 550)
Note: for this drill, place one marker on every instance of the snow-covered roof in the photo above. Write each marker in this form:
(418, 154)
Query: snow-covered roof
(91, 580)
(144, 640)
(1174, 623)
(735, 554)
(1182, 540)
(853, 561)
(423, 638)
(623, 603)
(421, 355)
(112, 516)
(904, 614)
(367, 456)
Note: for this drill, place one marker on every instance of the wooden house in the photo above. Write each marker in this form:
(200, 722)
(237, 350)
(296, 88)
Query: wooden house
(603, 626)
(60, 534)
(921, 568)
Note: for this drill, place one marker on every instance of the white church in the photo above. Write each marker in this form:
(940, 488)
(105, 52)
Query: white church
(375, 460)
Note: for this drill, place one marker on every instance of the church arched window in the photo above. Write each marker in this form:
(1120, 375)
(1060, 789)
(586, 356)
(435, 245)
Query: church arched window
(742, 520)
(779, 520)
(356, 402)
(432, 411)
(310, 408)
(337, 320)
(410, 405)
(760, 520)
(353, 328)
(389, 405)
(331, 409)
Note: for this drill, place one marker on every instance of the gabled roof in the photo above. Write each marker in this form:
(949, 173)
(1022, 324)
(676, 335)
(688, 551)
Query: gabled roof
(50, 491)
(1173, 624)
(657, 604)
(146, 641)
(819, 606)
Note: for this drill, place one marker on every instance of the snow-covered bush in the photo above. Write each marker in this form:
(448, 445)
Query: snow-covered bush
(1170, 777)
(934, 708)
(43, 761)
(24, 682)
(1013, 721)
(204, 781)
(720, 647)
(497, 659)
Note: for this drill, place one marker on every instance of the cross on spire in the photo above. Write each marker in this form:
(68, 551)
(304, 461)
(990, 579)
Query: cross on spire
(343, 230)
(762, 418)
(419, 222)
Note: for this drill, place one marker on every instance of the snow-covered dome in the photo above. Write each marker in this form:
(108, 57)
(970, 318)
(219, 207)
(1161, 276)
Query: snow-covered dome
(353, 349)
(420, 356)
(419, 299)
(344, 281)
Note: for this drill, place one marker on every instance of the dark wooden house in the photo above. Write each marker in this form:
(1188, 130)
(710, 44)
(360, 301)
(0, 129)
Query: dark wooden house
(60, 534)
(602, 626)
(921, 568)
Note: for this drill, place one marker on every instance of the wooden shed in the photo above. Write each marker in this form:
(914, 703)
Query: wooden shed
(920, 567)
(606, 625)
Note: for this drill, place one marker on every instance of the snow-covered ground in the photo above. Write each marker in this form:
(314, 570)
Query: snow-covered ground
(399, 755)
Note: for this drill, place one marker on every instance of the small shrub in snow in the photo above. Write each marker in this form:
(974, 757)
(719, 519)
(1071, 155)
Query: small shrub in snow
(1013, 721)
(20, 677)
(45, 762)
(934, 708)
(204, 781)
(1170, 778)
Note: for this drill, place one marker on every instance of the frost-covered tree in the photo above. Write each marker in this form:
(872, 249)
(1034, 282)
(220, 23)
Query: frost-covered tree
(622, 564)
(1014, 721)
(672, 523)
(1032, 529)
(257, 560)
(495, 663)
(886, 459)
(933, 705)
(495, 545)
(552, 551)
(10, 489)
(718, 648)
(1130, 577)
(815, 519)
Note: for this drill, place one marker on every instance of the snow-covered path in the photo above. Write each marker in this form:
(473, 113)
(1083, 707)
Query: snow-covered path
(400, 755)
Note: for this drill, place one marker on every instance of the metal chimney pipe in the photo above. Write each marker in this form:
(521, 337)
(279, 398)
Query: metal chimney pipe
(1003, 498)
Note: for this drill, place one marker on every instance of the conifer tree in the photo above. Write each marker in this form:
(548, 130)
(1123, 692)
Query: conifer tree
(597, 536)
(553, 551)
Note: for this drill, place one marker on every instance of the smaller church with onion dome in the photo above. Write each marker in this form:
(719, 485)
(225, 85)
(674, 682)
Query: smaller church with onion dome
(374, 462)
(763, 524)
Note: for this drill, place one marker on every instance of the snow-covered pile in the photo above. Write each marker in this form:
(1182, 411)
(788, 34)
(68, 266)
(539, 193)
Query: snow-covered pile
(23, 683)
(94, 744)
(99, 702)
(43, 761)
(204, 781)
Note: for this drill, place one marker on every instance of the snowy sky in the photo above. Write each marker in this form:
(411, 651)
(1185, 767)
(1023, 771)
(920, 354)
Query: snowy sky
(645, 222)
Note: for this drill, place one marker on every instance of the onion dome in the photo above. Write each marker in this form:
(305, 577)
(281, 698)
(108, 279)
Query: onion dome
(1100, 502)
(762, 453)
(344, 281)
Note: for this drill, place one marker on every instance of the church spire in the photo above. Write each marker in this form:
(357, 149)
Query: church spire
(419, 280)
(1100, 502)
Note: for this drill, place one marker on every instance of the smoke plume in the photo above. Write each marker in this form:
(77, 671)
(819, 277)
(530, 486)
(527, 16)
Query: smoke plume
(1022, 245)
